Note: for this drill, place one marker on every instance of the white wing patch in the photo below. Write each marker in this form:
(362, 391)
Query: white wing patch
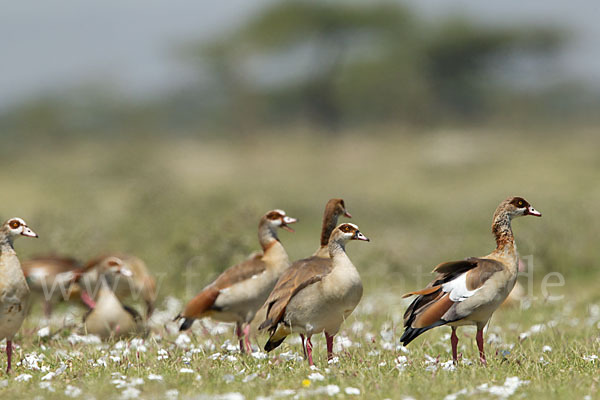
(457, 288)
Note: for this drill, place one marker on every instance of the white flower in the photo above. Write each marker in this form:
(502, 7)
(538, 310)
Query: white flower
(162, 354)
(591, 358)
(183, 341)
(186, 371)
(315, 376)
(259, 355)
(172, 394)
(454, 396)
(23, 378)
(546, 349)
(448, 365)
(72, 391)
(130, 393)
(87, 339)
(153, 377)
(47, 386)
(509, 388)
(119, 383)
(229, 396)
(352, 391)
(334, 360)
(48, 376)
(331, 390)
(31, 361)
(136, 381)
(43, 332)
(250, 377)
(401, 362)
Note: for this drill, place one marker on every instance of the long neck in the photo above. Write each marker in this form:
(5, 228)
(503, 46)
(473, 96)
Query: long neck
(330, 219)
(267, 236)
(336, 248)
(6, 243)
(503, 232)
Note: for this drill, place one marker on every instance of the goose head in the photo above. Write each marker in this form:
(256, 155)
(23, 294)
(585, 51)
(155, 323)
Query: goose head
(16, 226)
(279, 219)
(346, 232)
(517, 207)
(337, 207)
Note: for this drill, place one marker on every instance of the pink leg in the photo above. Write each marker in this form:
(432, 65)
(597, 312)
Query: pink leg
(239, 333)
(454, 342)
(329, 339)
(85, 297)
(309, 347)
(303, 345)
(479, 338)
(247, 339)
(9, 350)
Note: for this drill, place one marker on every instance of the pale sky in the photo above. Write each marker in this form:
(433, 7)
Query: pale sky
(59, 44)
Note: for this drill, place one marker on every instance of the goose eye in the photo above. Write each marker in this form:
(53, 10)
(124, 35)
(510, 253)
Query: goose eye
(14, 224)
(520, 203)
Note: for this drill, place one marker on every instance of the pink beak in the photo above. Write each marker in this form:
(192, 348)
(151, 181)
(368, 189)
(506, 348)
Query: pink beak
(533, 211)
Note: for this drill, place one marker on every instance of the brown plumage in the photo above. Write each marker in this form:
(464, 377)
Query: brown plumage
(317, 296)
(334, 208)
(237, 294)
(467, 292)
(205, 300)
(301, 274)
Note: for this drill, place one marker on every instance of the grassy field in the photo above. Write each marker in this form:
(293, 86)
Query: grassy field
(190, 208)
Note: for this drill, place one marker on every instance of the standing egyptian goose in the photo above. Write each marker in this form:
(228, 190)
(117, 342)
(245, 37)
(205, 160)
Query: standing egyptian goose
(467, 292)
(319, 296)
(14, 292)
(241, 290)
(107, 316)
(49, 277)
(333, 210)
(133, 281)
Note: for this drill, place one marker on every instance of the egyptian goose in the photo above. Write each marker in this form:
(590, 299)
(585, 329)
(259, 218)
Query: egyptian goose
(467, 292)
(107, 316)
(49, 277)
(14, 292)
(333, 210)
(241, 290)
(318, 296)
(133, 281)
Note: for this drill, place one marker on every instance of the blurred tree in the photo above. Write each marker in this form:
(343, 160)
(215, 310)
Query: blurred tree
(337, 62)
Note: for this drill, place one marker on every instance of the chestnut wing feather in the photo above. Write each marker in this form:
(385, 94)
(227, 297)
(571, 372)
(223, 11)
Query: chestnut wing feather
(301, 274)
(205, 300)
(433, 302)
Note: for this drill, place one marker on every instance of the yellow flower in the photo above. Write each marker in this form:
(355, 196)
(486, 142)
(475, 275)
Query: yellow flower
(306, 383)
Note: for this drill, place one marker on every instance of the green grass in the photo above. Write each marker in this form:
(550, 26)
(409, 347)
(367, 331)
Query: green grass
(189, 208)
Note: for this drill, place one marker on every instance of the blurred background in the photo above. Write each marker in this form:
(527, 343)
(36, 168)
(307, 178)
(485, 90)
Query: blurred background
(166, 129)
